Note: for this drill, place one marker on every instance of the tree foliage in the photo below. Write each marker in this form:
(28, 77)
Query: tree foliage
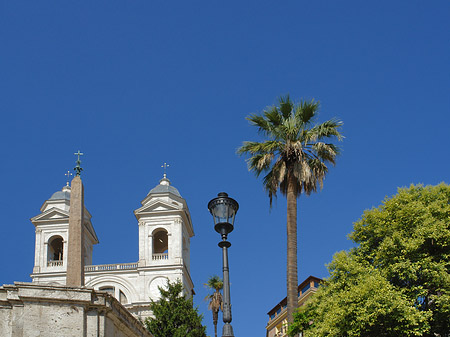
(396, 282)
(296, 150)
(174, 314)
(215, 299)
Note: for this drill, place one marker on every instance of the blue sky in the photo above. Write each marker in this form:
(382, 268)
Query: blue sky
(134, 84)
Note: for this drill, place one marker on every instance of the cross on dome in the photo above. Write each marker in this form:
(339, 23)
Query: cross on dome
(165, 166)
(164, 180)
(68, 174)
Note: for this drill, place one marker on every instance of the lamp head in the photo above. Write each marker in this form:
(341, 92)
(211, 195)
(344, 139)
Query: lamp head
(223, 209)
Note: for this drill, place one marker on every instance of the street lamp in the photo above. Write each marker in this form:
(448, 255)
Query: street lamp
(223, 210)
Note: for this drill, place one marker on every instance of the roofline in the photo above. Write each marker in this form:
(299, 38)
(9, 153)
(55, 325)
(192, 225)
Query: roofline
(283, 302)
(156, 194)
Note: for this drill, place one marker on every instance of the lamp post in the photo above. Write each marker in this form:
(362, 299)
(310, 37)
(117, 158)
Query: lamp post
(223, 210)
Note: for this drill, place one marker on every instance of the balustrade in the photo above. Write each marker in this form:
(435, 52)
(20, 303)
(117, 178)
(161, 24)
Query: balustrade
(160, 256)
(56, 263)
(119, 266)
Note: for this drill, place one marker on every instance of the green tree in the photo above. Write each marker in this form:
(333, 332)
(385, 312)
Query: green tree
(215, 299)
(396, 282)
(357, 301)
(294, 158)
(174, 314)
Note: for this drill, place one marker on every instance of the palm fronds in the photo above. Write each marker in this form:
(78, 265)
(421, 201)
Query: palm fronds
(295, 146)
(215, 299)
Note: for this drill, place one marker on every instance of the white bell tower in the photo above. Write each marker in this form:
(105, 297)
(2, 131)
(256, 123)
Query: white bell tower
(52, 231)
(165, 230)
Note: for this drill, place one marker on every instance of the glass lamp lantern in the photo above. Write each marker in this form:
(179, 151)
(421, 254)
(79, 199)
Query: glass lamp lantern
(223, 210)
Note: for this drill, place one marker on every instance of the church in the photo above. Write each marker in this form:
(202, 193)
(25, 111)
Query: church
(165, 229)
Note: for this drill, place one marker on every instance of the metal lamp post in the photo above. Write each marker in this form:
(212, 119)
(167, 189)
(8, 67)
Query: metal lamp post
(223, 210)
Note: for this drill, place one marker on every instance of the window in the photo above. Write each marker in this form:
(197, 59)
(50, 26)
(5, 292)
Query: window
(305, 288)
(109, 290)
(112, 291)
(122, 297)
(160, 242)
(55, 249)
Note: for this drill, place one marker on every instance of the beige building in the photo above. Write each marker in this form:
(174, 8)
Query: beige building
(277, 325)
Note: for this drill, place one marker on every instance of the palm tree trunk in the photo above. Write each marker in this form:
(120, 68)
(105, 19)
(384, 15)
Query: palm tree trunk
(215, 319)
(292, 278)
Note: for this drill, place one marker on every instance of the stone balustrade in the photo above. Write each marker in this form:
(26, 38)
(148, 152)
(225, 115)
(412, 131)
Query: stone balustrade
(160, 256)
(115, 266)
(55, 263)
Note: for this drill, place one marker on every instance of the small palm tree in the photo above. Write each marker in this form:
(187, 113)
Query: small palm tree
(215, 299)
(294, 158)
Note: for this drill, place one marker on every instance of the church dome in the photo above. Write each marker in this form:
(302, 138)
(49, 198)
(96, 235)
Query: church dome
(64, 194)
(164, 187)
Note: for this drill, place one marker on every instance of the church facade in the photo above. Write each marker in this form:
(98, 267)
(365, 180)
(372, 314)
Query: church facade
(165, 230)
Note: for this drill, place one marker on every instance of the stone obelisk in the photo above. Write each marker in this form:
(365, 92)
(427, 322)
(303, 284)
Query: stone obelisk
(75, 253)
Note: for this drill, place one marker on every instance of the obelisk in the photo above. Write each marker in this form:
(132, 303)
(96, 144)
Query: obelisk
(75, 253)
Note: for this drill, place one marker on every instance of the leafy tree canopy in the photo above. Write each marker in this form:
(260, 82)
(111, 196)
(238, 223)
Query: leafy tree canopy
(396, 282)
(174, 314)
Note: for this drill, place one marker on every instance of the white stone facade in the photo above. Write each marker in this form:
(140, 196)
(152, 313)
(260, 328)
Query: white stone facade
(165, 229)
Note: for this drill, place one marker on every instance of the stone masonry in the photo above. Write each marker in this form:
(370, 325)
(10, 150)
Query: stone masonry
(75, 256)
(30, 310)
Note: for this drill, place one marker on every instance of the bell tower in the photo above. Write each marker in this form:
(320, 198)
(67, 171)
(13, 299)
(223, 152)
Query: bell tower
(165, 230)
(52, 234)
(64, 255)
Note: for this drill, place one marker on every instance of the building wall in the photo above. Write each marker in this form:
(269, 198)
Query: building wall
(138, 284)
(30, 310)
(277, 325)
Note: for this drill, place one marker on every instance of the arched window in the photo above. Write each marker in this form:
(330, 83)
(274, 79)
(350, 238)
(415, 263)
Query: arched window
(122, 297)
(160, 242)
(109, 289)
(55, 251)
(112, 291)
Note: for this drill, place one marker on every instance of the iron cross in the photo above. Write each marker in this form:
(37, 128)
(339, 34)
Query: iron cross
(79, 154)
(78, 168)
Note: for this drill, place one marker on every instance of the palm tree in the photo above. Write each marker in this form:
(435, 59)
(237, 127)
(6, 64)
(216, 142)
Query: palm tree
(294, 158)
(215, 299)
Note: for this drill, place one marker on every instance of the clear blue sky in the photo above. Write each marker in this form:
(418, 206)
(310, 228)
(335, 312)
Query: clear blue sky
(136, 83)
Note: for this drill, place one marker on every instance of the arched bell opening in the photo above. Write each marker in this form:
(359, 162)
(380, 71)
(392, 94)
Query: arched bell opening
(55, 251)
(160, 245)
